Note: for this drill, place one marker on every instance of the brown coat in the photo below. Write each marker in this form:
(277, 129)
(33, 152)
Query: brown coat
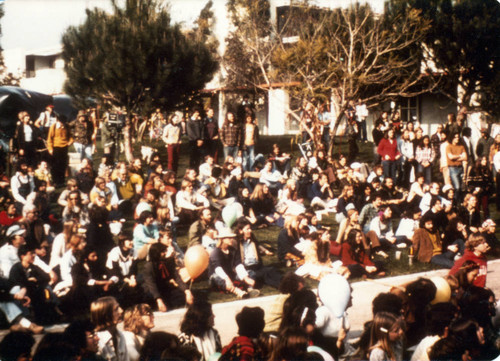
(422, 245)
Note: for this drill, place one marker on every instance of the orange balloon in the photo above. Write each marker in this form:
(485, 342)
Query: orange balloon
(196, 260)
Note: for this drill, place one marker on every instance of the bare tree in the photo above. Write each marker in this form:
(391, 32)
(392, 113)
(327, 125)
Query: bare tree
(339, 55)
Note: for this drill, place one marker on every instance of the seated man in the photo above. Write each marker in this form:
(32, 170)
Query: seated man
(8, 252)
(36, 281)
(200, 227)
(13, 299)
(225, 269)
(249, 252)
(128, 189)
(188, 203)
(427, 245)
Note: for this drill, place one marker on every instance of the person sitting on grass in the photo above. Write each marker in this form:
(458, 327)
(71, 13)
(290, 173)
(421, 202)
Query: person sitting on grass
(161, 281)
(357, 261)
(316, 250)
(250, 256)
(427, 245)
(225, 270)
(287, 239)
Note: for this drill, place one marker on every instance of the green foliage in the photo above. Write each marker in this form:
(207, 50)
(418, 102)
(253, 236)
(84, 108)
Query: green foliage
(465, 46)
(136, 58)
(249, 46)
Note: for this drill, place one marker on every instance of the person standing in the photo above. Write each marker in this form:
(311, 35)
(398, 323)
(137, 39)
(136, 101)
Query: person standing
(211, 134)
(85, 135)
(250, 138)
(172, 138)
(389, 153)
(58, 141)
(195, 133)
(230, 136)
(457, 161)
(26, 137)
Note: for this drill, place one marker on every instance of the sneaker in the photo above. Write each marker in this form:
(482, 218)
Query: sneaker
(382, 254)
(240, 293)
(252, 292)
(33, 328)
(401, 245)
(457, 257)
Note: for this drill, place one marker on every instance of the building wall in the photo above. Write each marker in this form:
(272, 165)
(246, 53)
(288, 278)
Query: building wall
(434, 109)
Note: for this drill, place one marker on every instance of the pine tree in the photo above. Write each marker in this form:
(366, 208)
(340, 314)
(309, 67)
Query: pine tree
(135, 58)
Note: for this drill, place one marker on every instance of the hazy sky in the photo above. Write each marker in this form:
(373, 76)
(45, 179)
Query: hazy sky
(36, 24)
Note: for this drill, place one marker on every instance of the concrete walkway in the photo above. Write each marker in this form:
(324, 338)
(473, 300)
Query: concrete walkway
(359, 313)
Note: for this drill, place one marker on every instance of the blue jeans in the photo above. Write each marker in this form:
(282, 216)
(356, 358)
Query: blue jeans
(249, 157)
(456, 180)
(427, 172)
(230, 150)
(389, 169)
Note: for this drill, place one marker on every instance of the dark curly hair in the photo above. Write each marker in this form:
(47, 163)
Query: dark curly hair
(197, 318)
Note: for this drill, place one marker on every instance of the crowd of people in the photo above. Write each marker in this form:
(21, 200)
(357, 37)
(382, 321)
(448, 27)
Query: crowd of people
(425, 196)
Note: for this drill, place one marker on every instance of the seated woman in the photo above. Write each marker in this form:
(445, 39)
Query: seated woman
(348, 224)
(146, 233)
(163, 287)
(246, 203)
(288, 238)
(317, 263)
(188, 203)
(354, 257)
(455, 233)
(417, 190)
(263, 204)
(345, 198)
(322, 195)
(382, 227)
(224, 269)
(289, 200)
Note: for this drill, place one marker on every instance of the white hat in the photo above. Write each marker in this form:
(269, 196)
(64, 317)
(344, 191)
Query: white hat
(225, 233)
(446, 188)
(15, 230)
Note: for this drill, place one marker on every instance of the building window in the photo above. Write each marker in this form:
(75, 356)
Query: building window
(409, 109)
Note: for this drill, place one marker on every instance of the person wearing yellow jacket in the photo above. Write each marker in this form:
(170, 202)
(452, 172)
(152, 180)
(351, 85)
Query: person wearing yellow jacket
(58, 141)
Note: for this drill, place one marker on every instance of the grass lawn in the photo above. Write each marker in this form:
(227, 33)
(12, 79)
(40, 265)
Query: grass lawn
(269, 235)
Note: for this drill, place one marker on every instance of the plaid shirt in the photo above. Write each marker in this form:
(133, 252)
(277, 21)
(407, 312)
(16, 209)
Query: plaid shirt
(231, 134)
(424, 154)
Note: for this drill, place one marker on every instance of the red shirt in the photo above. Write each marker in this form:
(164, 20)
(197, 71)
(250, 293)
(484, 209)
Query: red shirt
(5, 220)
(347, 259)
(386, 147)
(481, 260)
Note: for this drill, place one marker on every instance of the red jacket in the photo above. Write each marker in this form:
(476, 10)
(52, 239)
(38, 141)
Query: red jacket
(385, 147)
(481, 260)
(347, 259)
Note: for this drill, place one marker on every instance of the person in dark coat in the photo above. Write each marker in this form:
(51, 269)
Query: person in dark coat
(161, 281)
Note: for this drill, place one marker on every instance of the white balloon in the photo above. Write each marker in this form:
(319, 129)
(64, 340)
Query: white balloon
(239, 209)
(334, 291)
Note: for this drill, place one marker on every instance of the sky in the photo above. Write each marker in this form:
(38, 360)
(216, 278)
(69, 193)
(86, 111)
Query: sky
(38, 24)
